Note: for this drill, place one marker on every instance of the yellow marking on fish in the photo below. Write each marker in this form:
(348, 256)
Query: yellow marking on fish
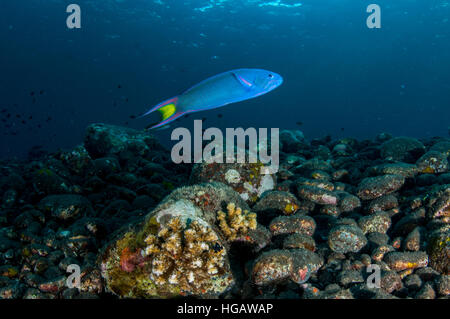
(167, 111)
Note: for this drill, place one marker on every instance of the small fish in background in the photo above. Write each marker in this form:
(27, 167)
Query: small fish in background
(219, 116)
(299, 123)
(342, 129)
(32, 93)
(217, 91)
(119, 86)
(41, 92)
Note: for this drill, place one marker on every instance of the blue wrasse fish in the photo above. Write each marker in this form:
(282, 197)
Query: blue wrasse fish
(222, 89)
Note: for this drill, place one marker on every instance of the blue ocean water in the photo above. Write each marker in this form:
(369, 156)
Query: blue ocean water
(340, 77)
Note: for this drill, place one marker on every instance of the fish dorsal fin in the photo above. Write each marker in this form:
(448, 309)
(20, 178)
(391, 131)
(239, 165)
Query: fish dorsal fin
(243, 81)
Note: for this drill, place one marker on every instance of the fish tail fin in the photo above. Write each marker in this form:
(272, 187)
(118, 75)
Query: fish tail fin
(168, 110)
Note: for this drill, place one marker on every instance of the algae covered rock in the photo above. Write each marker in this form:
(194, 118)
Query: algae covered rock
(406, 260)
(346, 238)
(374, 187)
(377, 222)
(348, 202)
(404, 169)
(299, 241)
(248, 179)
(77, 160)
(276, 266)
(440, 205)
(47, 181)
(439, 249)
(442, 147)
(291, 141)
(317, 195)
(272, 267)
(181, 247)
(403, 149)
(65, 207)
(102, 140)
(279, 201)
(293, 224)
(433, 162)
(382, 203)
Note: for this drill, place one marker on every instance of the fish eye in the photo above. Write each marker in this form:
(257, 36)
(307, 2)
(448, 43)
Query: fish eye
(270, 75)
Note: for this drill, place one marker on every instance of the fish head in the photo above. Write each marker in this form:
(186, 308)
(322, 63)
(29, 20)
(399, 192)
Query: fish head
(262, 81)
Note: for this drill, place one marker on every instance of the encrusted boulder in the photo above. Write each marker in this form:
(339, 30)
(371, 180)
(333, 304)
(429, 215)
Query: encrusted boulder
(248, 179)
(404, 169)
(346, 238)
(281, 202)
(103, 140)
(439, 249)
(374, 187)
(291, 141)
(65, 207)
(181, 247)
(442, 147)
(403, 149)
(276, 266)
(433, 162)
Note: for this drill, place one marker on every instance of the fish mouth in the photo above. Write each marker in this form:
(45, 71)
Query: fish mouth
(279, 81)
(273, 84)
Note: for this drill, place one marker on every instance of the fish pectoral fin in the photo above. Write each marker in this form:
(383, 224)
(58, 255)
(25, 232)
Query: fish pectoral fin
(243, 81)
